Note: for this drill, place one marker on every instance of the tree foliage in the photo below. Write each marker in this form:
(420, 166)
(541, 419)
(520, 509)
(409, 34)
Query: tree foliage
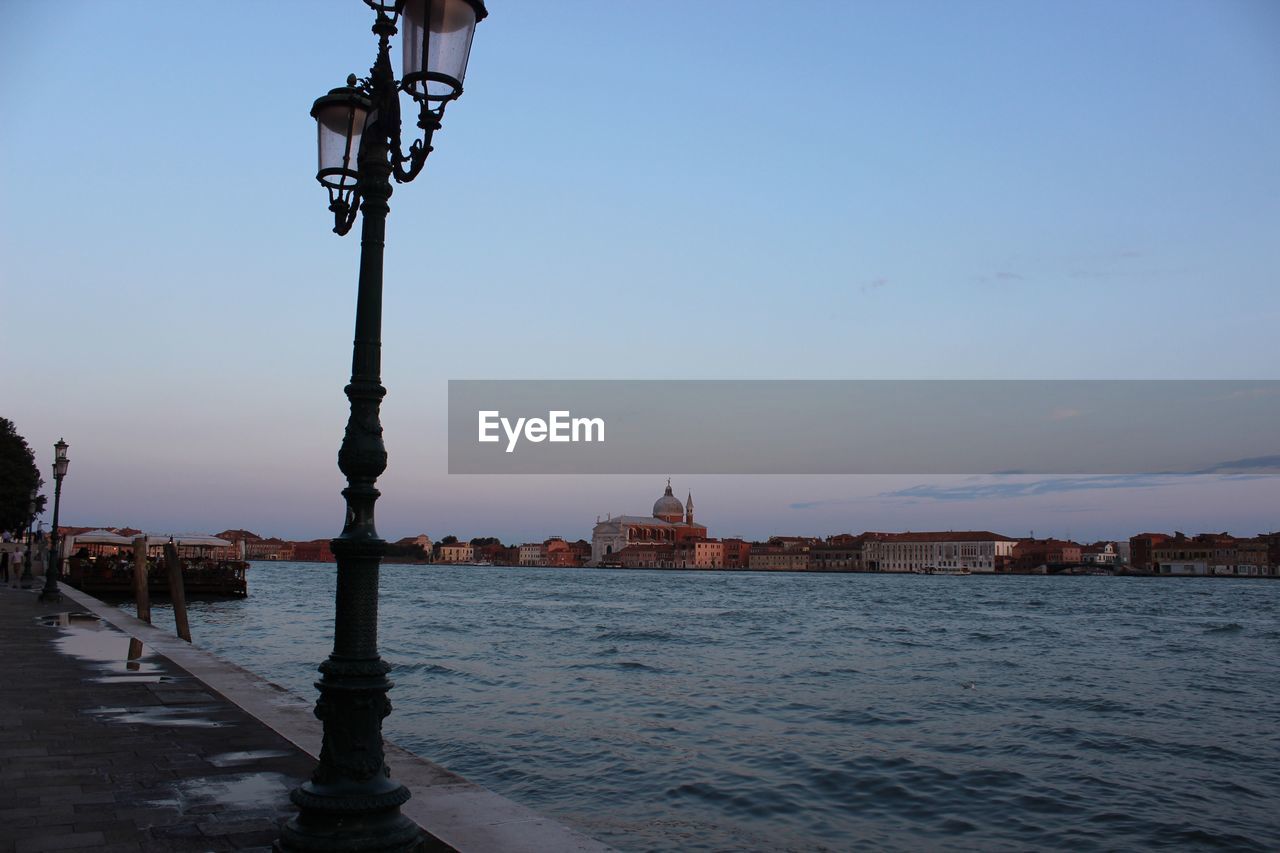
(18, 476)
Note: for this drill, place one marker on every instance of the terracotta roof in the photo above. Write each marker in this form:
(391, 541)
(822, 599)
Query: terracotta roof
(945, 536)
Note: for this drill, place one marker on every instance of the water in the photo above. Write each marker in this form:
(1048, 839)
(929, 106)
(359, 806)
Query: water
(731, 711)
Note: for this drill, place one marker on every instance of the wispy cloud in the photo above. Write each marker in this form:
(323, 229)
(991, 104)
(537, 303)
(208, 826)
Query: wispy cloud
(874, 284)
(1001, 275)
(1255, 463)
(1003, 489)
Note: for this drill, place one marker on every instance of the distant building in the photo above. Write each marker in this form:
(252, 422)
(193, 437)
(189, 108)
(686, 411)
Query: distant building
(979, 551)
(269, 549)
(1142, 550)
(794, 543)
(533, 554)
(1099, 554)
(494, 553)
(581, 549)
(737, 553)
(698, 554)
(315, 551)
(1218, 554)
(1051, 553)
(560, 554)
(645, 555)
(840, 553)
(671, 522)
(455, 552)
(1182, 554)
(776, 558)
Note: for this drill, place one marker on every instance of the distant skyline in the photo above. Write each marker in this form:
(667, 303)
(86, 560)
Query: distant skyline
(746, 190)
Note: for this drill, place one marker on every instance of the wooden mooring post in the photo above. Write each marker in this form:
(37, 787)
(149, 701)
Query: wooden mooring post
(177, 592)
(141, 598)
(141, 594)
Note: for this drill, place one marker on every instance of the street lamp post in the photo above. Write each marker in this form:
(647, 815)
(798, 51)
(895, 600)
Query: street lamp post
(51, 570)
(351, 802)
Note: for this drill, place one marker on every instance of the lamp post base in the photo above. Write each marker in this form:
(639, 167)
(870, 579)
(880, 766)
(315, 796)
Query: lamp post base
(317, 829)
(52, 596)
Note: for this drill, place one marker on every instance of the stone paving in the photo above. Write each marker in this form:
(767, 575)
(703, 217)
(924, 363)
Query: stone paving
(118, 736)
(100, 752)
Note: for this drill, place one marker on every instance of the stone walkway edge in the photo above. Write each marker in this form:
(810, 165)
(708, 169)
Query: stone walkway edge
(462, 814)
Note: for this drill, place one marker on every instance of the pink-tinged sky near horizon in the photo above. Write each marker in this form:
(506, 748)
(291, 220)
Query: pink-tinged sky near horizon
(862, 190)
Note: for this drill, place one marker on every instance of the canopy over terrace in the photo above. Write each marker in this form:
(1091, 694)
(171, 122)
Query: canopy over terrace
(192, 545)
(100, 537)
(96, 541)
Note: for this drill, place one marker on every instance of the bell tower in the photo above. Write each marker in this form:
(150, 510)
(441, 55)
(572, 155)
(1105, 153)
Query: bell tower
(688, 509)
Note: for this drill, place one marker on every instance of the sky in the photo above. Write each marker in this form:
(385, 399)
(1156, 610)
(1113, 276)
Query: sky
(746, 189)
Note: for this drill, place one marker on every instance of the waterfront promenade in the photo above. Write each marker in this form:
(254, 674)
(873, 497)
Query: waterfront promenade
(155, 745)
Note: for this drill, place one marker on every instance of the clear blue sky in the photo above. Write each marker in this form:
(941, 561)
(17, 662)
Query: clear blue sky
(628, 190)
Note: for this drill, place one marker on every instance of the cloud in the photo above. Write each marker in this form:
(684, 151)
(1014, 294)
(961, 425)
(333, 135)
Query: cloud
(1254, 463)
(1059, 485)
(1033, 488)
(874, 284)
(983, 489)
(1000, 275)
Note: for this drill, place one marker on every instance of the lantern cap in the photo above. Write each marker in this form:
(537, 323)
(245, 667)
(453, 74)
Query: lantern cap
(347, 95)
(390, 7)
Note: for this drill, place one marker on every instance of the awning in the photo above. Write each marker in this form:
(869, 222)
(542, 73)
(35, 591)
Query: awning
(100, 537)
(188, 539)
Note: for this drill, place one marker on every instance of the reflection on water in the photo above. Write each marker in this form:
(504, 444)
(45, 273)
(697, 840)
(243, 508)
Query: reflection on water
(264, 792)
(728, 711)
(231, 759)
(117, 656)
(173, 716)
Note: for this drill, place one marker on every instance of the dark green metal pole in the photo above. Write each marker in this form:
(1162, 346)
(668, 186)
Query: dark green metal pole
(52, 567)
(351, 801)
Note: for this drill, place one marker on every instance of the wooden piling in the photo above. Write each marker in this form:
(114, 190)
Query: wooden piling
(141, 594)
(177, 592)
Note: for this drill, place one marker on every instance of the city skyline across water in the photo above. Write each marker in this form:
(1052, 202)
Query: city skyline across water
(888, 191)
(1028, 506)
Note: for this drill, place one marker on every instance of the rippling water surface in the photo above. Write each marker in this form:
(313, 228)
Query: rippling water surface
(730, 711)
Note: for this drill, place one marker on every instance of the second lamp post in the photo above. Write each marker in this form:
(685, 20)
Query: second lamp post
(351, 802)
(54, 565)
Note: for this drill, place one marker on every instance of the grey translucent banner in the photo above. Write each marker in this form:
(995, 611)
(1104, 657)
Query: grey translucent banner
(863, 427)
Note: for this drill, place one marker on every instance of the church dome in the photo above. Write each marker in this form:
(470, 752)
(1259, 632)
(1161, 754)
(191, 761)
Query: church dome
(668, 507)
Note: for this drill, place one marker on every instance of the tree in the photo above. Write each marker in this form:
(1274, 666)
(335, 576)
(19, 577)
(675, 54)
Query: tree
(18, 477)
(448, 540)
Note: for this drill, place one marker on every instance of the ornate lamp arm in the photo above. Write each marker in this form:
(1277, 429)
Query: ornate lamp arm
(344, 213)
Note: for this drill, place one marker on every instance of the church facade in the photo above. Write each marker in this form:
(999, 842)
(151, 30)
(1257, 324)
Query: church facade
(671, 522)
